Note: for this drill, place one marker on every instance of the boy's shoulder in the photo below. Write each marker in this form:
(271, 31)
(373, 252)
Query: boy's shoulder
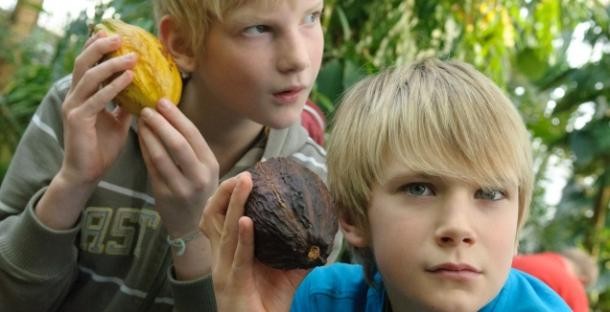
(61, 86)
(337, 277)
(291, 140)
(338, 287)
(523, 292)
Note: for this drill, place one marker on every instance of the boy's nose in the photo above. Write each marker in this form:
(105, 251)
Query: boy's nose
(455, 226)
(293, 55)
(453, 237)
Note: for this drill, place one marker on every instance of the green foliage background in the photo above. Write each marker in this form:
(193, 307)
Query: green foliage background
(522, 45)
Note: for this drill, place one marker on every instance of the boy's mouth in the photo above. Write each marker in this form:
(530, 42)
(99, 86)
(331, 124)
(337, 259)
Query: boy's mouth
(457, 271)
(288, 95)
(453, 267)
(290, 90)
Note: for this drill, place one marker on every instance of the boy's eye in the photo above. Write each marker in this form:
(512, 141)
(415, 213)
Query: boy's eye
(417, 189)
(490, 194)
(312, 18)
(256, 30)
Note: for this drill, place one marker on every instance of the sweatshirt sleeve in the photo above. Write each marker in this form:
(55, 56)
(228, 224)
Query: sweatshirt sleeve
(196, 295)
(37, 264)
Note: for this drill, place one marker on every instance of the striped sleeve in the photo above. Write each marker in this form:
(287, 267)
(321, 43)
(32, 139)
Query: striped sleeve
(37, 264)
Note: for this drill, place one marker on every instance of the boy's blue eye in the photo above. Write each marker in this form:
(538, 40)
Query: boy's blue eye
(312, 18)
(490, 194)
(256, 30)
(417, 189)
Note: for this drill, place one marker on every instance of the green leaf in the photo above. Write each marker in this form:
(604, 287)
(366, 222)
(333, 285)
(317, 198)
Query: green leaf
(530, 64)
(352, 74)
(583, 146)
(330, 80)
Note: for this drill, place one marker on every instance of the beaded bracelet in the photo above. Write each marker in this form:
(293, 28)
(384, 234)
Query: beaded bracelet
(180, 242)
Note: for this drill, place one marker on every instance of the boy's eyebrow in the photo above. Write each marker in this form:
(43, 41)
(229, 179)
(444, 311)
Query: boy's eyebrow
(402, 176)
(406, 175)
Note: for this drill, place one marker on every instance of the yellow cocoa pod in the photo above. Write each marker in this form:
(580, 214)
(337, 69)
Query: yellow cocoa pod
(155, 73)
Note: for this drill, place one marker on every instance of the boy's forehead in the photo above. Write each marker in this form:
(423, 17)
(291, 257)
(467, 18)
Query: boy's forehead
(249, 8)
(396, 169)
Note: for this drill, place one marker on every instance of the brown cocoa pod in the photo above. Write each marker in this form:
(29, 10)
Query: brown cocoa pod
(293, 215)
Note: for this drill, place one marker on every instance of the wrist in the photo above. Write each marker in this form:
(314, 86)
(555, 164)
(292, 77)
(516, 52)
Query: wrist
(179, 244)
(194, 263)
(61, 205)
(73, 179)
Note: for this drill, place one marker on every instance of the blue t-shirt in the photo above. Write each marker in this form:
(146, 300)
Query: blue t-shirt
(342, 287)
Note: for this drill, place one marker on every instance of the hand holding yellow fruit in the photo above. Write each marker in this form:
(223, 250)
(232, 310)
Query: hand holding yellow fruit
(156, 75)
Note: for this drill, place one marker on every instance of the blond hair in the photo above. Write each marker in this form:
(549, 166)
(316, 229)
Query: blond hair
(194, 18)
(584, 265)
(441, 118)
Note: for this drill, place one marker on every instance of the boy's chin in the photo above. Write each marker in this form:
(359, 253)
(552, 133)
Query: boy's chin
(454, 301)
(454, 306)
(283, 121)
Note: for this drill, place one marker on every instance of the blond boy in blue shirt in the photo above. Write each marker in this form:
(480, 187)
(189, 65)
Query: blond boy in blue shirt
(430, 166)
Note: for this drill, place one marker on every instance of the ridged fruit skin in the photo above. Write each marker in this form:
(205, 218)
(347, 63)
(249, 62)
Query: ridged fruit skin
(156, 75)
(293, 215)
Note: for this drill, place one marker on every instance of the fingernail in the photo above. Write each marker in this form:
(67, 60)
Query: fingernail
(130, 56)
(164, 104)
(239, 182)
(146, 113)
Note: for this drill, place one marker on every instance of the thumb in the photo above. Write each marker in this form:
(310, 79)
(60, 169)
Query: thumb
(244, 253)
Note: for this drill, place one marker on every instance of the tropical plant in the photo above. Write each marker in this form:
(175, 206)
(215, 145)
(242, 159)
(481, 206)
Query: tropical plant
(522, 45)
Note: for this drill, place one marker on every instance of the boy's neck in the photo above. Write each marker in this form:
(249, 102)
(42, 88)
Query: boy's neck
(228, 155)
(228, 135)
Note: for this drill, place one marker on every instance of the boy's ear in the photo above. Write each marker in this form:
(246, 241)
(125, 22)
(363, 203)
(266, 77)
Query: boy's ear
(353, 234)
(176, 44)
(516, 250)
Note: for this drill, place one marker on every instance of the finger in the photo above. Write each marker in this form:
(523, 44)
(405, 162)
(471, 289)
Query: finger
(244, 253)
(178, 147)
(169, 172)
(234, 212)
(93, 53)
(213, 218)
(152, 172)
(188, 130)
(95, 104)
(94, 37)
(217, 205)
(238, 200)
(117, 120)
(98, 75)
(122, 116)
(159, 164)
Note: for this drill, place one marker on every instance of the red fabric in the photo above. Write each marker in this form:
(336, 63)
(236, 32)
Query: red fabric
(313, 120)
(552, 270)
